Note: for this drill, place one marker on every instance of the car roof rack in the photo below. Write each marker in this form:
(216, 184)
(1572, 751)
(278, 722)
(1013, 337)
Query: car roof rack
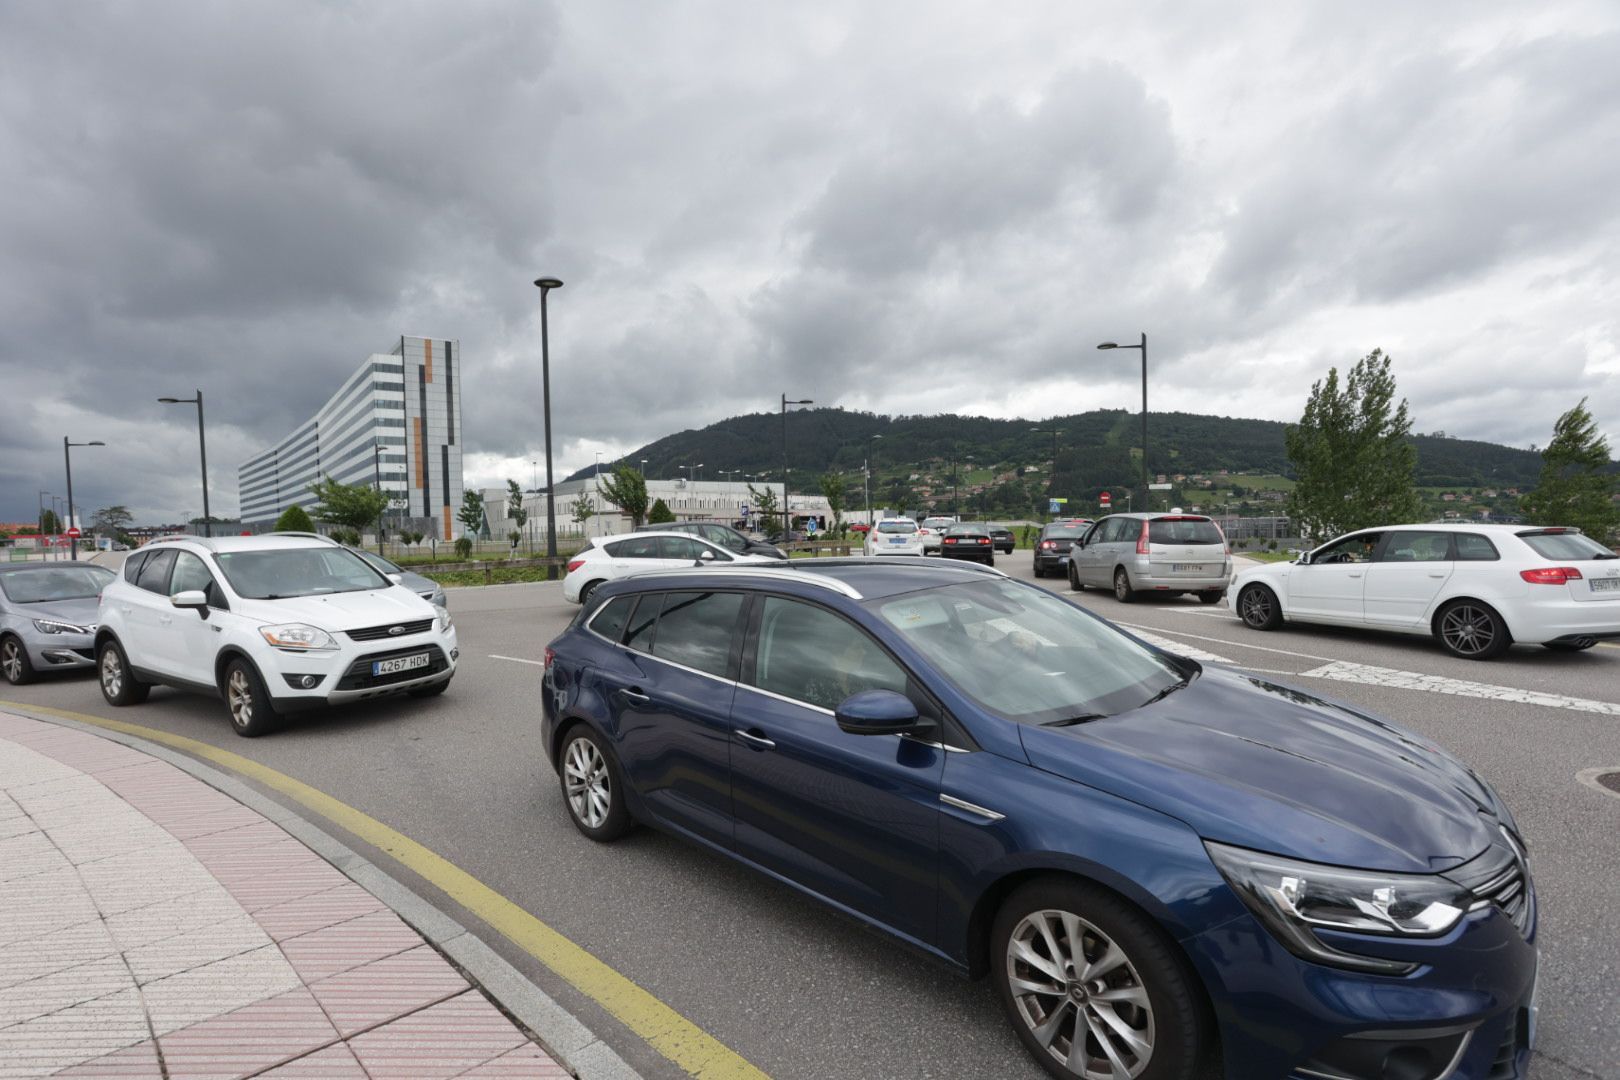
(760, 571)
(203, 540)
(301, 535)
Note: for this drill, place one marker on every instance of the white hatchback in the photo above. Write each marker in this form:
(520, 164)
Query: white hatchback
(1477, 589)
(273, 624)
(610, 557)
(895, 536)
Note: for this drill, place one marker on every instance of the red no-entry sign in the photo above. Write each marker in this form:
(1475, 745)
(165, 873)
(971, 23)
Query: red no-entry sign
(1105, 500)
(75, 533)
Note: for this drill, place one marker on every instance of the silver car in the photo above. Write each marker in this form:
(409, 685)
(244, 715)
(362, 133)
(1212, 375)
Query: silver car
(48, 617)
(1163, 553)
(426, 588)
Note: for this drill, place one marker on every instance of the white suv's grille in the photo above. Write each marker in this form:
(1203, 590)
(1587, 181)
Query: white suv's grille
(382, 633)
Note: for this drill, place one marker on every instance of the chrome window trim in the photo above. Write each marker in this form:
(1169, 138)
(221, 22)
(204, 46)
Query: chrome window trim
(784, 697)
(972, 808)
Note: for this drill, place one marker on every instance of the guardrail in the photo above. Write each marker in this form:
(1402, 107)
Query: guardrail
(817, 548)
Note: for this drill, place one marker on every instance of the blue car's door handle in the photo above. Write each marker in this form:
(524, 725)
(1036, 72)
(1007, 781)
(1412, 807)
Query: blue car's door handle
(636, 696)
(759, 741)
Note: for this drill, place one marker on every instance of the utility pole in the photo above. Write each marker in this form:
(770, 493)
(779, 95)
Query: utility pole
(787, 518)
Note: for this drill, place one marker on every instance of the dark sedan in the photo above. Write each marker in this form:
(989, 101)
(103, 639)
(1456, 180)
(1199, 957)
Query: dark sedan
(1155, 861)
(1052, 546)
(1002, 538)
(968, 540)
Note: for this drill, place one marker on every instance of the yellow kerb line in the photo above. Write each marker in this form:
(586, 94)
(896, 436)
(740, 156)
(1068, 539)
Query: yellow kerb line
(665, 1030)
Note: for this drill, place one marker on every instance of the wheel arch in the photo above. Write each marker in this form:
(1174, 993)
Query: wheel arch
(222, 660)
(1469, 598)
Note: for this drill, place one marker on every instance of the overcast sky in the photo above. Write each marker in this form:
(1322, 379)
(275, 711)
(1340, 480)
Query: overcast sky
(909, 208)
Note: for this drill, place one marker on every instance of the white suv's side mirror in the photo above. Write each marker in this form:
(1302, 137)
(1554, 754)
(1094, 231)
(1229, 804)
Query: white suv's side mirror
(396, 578)
(191, 598)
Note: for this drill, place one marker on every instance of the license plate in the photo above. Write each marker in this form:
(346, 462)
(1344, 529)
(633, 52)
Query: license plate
(1186, 568)
(400, 663)
(1606, 584)
(900, 540)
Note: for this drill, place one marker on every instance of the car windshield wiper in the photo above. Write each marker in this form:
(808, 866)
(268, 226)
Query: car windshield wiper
(1179, 684)
(1069, 721)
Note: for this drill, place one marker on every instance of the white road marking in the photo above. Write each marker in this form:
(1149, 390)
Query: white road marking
(1225, 641)
(1178, 648)
(518, 660)
(1225, 616)
(1345, 671)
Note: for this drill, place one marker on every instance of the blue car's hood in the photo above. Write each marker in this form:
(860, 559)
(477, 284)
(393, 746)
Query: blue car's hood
(1250, 763)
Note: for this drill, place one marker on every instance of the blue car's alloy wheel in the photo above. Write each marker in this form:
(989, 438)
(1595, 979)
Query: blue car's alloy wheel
(591, 787)
(1093, 991)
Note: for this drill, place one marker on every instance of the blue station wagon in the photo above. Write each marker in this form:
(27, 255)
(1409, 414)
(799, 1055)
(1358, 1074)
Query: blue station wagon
(1159, 863)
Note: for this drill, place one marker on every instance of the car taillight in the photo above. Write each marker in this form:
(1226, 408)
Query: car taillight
(575, 565)
(950, 539)
(1142, 541)
(984, 540)
(1550, 575)
(551, 655)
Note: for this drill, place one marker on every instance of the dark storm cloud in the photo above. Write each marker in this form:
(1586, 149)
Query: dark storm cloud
(907, 208)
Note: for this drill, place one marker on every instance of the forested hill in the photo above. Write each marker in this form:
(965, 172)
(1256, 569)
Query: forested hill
(1095, 450)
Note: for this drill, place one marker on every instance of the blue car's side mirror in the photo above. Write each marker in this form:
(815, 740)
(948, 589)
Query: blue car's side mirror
(880, 712)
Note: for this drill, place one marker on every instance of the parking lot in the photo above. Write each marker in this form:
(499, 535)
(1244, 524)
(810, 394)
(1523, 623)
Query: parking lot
(802, 993)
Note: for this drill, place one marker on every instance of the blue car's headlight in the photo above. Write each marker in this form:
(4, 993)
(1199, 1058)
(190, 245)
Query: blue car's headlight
(1293, 899)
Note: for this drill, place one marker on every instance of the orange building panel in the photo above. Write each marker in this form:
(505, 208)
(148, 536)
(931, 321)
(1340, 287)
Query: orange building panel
(447, 523)
(421, 457)
(428, 345)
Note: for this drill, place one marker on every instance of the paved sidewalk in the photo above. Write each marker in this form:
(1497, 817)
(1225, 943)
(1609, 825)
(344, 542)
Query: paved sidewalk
(151, 926)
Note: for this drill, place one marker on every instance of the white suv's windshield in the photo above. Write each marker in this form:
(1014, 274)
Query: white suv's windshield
(57, 583)
(288, 572)
(1024, 654)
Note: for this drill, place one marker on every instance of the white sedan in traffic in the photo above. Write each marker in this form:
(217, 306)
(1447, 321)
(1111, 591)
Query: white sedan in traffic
(1477, 589)
(609, 557)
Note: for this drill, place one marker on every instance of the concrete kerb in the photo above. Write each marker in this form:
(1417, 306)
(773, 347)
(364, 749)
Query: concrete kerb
(559, 1031)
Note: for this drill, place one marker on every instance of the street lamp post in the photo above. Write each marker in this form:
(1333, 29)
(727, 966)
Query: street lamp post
(643, 468)
(376, 463)
(67, 458)
(866, 477)
(1143, 348)
(786, 518)
(1051, 487)
(202, 443)
(545, 285)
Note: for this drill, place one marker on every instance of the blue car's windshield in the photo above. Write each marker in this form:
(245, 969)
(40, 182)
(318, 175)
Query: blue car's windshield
(1020, 652)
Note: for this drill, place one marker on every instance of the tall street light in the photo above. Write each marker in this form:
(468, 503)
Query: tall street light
(1051, 487)
(643, 468)
(866, 477)
(545, 285)
(786, 518)
(1143, 347)
(73, 541)
(202, 443)
(376, 464)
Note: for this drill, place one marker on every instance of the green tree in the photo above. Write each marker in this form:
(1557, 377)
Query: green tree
(770, 513)
(1576, 487)
(514, 505)
(660, 514)
(111, 520)
(350, 506)
(628, 491)
(1352, 454)
(294, 519)
(582, 508)
(471, 514)
(50, 524)
(832, 489)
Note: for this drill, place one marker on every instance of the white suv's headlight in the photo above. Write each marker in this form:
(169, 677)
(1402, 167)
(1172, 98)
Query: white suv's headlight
(52, 626)
(445, 621)
(299, 636)
(1293, 899)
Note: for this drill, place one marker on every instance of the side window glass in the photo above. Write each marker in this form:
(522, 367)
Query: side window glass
(1417, 547)
(1110, 530)
(616, 549)
(1471, 547)
(1352, 549)
(678, 547)
(697, 630)
(189, 573)
(643, 623)
(637, 547)
(155, 572)
(811, 655)
(132, 565)
(610, 620)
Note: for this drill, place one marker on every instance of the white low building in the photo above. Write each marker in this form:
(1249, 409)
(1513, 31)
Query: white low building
(725, 501)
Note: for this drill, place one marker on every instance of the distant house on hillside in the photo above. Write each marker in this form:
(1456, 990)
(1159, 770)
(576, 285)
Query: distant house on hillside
(1448, 497)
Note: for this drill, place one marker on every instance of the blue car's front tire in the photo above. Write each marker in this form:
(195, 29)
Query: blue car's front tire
(1092, 988)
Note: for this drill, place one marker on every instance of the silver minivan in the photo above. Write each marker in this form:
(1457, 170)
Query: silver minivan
(1163, 553)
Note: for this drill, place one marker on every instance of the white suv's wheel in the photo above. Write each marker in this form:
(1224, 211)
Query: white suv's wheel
(118, 684)
(250, 709)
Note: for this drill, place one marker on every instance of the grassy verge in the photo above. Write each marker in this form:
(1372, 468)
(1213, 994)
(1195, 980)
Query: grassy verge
(498, 576)
(1266, 556)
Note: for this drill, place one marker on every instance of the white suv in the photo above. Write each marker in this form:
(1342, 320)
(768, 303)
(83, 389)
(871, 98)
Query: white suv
(274, 624)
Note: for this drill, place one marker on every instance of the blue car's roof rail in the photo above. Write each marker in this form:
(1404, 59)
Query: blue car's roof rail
(755, 570)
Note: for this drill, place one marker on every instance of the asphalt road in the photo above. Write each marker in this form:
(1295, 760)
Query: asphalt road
(804, 994)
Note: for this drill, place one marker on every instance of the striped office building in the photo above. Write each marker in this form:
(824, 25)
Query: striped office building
(397, 421)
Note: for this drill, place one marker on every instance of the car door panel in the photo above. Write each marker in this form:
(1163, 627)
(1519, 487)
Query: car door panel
(1331, 586)
(191, 641)
(854, 818)
(1411, 570)
(148, 616)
